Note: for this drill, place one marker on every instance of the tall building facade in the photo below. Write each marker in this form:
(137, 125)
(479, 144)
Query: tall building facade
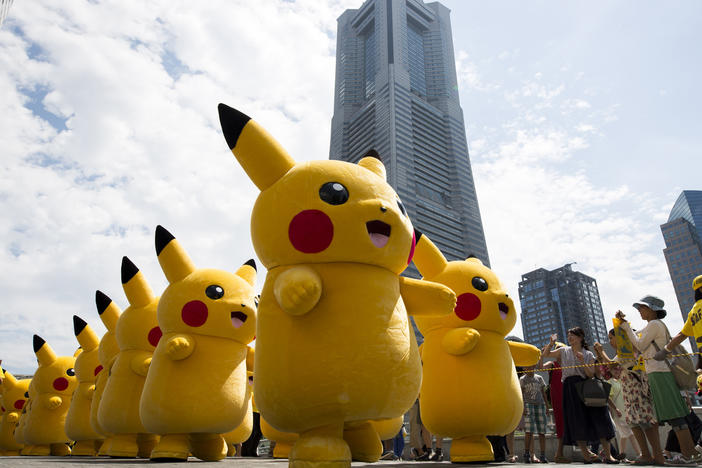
(554, 301)
(4, 9)
(683, 247)
(396, 92)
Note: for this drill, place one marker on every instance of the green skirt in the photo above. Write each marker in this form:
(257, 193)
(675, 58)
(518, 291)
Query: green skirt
(667, 401)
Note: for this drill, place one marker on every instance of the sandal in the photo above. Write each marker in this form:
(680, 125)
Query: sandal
(643, 461)
(562, 460)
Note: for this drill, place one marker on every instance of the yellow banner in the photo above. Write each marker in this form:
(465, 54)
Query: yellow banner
(625, 349)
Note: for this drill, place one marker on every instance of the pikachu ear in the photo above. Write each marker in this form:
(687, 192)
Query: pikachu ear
(8, 380)
(84, 334)
(371, 161)
(263, 159)
(45, 355)
(248, 272)
(175, 263)
(427, 257)
(137, 290)
(108, 310)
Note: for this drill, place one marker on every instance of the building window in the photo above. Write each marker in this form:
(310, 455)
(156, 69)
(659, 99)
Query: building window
(369, 61)
(415, 48)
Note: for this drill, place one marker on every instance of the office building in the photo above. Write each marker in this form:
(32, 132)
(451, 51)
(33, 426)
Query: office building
(683, 247)
(396, 92)
(557, 300)
(4, 9)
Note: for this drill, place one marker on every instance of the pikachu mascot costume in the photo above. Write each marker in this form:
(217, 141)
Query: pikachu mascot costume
(334, 346)
(78, 426)
(137, 335)
(54, 383)
(196, 387)
(22, 423)
(470, 387)
(107, 352)
(14, 395)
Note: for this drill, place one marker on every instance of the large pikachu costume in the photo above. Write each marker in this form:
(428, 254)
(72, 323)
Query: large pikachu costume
(243, 431)
(54, 383)
(27, 449)
(334, 347)
(107, 352)
(137, 336)
(470, 387)
(78, 426)
(14, 396)
(196, 387)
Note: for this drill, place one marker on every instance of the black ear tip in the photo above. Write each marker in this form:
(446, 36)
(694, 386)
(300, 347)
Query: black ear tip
(129, 270)
(102, 301)
(251, 263)
(417, 235)
(78, 324)
(232, 122)
(372, 153)
(162, 238)
(38, 342)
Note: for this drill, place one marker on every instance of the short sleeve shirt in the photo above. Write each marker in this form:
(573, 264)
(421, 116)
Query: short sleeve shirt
(532, 388)
(693, 324)
(568, 360)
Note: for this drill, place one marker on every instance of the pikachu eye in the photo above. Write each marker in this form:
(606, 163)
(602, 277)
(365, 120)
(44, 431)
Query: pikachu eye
(479, 283)
(71, 372)
(26, 394)
(333, 193)
(214, 291)
(256, 301)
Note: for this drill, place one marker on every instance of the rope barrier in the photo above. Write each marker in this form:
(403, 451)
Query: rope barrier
(595, 364)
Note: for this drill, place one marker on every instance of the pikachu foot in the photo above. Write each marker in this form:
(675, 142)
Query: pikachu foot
(105, 447)
(60, 450)
(38, 450)
(84, 448)
(10, 453)
(123, 446)
(282, 449)
(146, 443)
(471, 449)
(208, 447)
(363, 441)
(171, 447)
(321, 447)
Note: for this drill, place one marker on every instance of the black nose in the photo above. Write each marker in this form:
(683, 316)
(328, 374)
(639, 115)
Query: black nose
(383, 209)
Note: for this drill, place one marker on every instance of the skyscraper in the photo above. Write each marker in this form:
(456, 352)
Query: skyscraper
(4, 9)
(683, 247)
(396, 92)
(554, 301)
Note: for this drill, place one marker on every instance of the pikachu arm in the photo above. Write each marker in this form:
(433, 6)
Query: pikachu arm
(298, 290)
(458, 341)
(249, 358)
(524, 354)
(50, 401)
(140, 363)
(426, 297)
(180, 346)
(13, 417)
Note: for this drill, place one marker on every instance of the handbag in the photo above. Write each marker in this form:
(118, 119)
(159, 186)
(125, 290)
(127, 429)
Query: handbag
(681, 366)
(593, 391)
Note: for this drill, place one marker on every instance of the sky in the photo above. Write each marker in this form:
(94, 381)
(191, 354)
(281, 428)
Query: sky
(582, 121)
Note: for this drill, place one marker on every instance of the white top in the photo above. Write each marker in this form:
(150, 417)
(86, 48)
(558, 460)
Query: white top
(654, 331)
(568, 359)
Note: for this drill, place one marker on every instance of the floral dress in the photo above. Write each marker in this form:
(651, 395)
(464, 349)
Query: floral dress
(638, 407)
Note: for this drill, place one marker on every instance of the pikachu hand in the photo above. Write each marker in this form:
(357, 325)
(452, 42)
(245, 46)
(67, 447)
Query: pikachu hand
(12, 417)
(460, 341)
(179, 347)
(140, 364)
(298, 290)
(54, 402)
(89, 392)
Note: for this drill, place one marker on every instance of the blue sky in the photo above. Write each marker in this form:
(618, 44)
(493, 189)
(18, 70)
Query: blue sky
(582, 121)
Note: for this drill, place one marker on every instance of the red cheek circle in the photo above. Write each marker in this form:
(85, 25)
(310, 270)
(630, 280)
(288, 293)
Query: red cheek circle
(155, 335)
(19, 404)
(97, 370)
(194, 313)
(2, 409)
(414, 244)
(467, 306)
(60, 384)
(311, 231)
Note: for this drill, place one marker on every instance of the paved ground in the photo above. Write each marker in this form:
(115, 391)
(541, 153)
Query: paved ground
(67, 462)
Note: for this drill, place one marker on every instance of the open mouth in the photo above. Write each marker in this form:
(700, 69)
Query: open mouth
(238, 319)
(504, 310)
(379, 232)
